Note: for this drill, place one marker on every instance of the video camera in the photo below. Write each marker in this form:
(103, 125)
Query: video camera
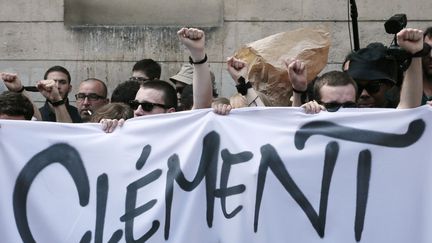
(392, 26)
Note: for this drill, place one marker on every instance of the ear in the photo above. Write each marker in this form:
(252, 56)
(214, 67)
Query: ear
(171, 110)
(70, 88)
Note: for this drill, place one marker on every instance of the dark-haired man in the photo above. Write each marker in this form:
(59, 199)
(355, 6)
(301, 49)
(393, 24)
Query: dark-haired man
(146, 69)
(55, 88)
(15, 106)
(156, 97)
(125, 91)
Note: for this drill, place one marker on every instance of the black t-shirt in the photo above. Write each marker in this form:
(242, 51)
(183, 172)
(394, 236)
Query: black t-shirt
(49, 115)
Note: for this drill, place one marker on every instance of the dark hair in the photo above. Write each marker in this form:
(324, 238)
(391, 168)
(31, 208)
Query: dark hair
(332, 78)
(112, 111)
(125, 91)
(16, 104)
(428, 32)
(169, 93)
(58, 69)
(151, 68)
(104, 87)
(186, 99)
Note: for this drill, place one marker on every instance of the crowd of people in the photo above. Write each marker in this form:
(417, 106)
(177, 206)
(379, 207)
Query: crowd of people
(370, 78)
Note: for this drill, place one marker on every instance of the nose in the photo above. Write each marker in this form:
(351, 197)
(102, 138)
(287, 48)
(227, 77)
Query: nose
(364, 93)
(139, 111)
(86, 101)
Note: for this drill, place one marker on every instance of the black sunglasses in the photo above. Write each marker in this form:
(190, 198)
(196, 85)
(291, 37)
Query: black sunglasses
(334, 106)
(146, 106)
(91, 96)
(371, 88)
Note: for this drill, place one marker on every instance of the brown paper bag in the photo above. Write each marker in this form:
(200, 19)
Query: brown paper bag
(267, 71)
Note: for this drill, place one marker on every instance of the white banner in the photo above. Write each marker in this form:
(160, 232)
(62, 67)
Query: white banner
(256, 175)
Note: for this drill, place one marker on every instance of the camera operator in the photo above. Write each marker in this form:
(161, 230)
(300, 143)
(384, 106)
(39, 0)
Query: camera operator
(375, 72)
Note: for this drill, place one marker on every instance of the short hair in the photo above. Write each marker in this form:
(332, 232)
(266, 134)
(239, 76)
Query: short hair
(125, 91)
(16, 104)
(169, 93)
(428, 32)
(332, 78)
(112, 111)
(104, 87)
(186, 98)
(151, 68)
(58, 69)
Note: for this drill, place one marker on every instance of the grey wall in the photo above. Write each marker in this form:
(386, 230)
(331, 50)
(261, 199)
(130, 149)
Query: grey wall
(33, 36)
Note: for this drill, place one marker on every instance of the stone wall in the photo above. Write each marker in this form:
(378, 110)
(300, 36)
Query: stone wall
(33, 36)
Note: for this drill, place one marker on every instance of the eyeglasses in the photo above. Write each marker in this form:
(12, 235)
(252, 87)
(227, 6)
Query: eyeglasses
(371, 88)
(335, 106)
(90, 97)
(146, 106)
(139, 79)
(61, 81)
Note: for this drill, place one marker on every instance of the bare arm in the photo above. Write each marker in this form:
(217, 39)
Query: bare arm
(14, 84)
(411, 40)
(194, 40)
(237, 68)
(297, 75)
(49, 90)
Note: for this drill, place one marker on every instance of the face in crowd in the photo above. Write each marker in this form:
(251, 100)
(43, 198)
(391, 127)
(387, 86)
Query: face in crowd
(91, 96)
(139, 76)
(334, 97)
(149, 101)
(372, 93)
(62, 81)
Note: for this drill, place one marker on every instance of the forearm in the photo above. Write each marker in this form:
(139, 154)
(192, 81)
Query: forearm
(62, 114)
(412, 86)
(299, 99)
(202, 84)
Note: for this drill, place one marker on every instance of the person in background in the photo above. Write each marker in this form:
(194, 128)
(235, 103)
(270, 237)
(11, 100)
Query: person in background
(15, 106)
(112, 111)
(157, 97)
(55, 88)
(92, 94)
(146, 69)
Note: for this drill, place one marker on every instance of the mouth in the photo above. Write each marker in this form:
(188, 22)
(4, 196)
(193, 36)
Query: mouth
(87, 112)
(365, 106)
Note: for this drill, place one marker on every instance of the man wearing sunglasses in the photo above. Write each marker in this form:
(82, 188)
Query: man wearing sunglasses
(333, 90)
(92, 94)
(157, 96)
(375, 73)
